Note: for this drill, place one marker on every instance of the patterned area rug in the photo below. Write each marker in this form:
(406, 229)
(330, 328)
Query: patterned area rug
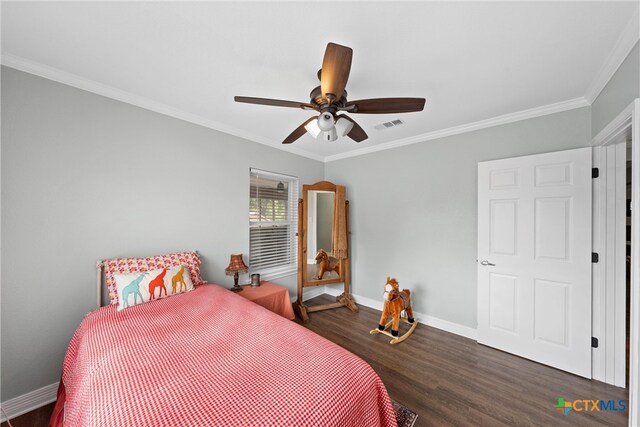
(405, 416)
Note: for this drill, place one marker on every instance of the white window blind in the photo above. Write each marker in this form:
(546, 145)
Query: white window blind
(273, 222)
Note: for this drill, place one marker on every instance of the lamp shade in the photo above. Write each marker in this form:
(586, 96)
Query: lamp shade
(313, 128)
(236, 265)
(343, 126)
(330, 135)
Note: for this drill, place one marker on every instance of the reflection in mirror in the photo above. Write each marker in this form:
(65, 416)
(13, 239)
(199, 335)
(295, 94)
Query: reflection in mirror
(319, 233)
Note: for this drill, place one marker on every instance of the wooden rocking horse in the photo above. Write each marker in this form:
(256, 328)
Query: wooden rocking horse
(396, 303)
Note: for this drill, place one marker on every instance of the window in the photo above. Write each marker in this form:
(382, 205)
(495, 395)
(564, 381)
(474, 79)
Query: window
(273, 223)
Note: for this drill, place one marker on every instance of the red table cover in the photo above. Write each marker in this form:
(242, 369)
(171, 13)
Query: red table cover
(270, 296)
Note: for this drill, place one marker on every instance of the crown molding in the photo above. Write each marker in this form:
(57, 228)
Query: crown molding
(619, 53)
(469, 127)
(88, 85)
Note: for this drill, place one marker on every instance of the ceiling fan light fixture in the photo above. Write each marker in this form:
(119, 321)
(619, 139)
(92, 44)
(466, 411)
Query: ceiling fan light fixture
(343, 126)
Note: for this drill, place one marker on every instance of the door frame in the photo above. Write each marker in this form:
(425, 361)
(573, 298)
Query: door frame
(626, 123)
(608, 274)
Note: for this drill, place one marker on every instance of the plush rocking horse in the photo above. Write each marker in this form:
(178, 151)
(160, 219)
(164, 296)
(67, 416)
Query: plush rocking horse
(325, 264)
(396, 303)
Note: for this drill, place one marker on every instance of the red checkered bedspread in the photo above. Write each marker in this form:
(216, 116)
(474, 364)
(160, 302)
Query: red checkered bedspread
(212, 358)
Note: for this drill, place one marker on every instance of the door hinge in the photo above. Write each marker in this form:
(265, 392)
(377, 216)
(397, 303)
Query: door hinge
(594, 342)
(595, 257)
(595, 172)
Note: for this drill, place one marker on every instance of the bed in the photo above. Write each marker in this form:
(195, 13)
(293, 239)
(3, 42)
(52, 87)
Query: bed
(209, 357)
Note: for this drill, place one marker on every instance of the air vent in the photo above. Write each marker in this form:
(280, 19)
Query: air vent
(390, 124)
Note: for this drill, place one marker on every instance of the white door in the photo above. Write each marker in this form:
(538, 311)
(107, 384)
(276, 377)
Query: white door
(534, 258)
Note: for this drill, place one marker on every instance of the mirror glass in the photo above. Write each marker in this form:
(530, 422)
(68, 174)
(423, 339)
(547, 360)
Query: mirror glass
(319, 234)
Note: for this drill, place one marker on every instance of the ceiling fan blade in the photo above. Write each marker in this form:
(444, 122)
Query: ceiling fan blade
(274, 102)
(385, 105)
(336, 66)
(357, 133)
(298, 132)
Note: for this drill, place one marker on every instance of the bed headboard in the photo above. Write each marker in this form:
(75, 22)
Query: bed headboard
(99, 281)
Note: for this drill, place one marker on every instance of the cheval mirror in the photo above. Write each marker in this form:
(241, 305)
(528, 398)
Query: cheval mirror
(323, 244)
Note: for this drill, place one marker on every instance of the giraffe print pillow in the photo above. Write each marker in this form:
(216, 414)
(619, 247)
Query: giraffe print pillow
(133, 265)
(137, 288)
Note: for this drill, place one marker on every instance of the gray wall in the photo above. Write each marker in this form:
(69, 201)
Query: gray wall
(619, 92)
(414, 209)
(86, 177)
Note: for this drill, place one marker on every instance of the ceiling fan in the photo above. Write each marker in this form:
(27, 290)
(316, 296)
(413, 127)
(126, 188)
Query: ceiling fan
(331, 97)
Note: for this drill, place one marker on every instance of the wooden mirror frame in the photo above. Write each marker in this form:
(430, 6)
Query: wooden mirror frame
(345, 299)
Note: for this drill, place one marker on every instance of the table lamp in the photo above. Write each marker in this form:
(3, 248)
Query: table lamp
(236, 266)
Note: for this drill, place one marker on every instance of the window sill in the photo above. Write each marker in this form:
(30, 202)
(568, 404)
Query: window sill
(277, 273)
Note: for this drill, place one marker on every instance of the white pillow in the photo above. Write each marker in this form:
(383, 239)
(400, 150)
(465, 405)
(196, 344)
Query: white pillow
(136, 288)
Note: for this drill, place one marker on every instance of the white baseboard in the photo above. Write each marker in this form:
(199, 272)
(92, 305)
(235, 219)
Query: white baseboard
(29, 401)
(445, 325)
(312, 293)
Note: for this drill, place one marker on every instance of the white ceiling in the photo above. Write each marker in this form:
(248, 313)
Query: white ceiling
(476, 63)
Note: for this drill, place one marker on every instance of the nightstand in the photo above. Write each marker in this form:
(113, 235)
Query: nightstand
(270, 296)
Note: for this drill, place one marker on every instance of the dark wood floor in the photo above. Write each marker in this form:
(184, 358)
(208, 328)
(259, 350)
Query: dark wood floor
(451, 380)
(38, 418)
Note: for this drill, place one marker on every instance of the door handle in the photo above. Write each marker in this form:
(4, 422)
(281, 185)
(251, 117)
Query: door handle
(485, 262)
